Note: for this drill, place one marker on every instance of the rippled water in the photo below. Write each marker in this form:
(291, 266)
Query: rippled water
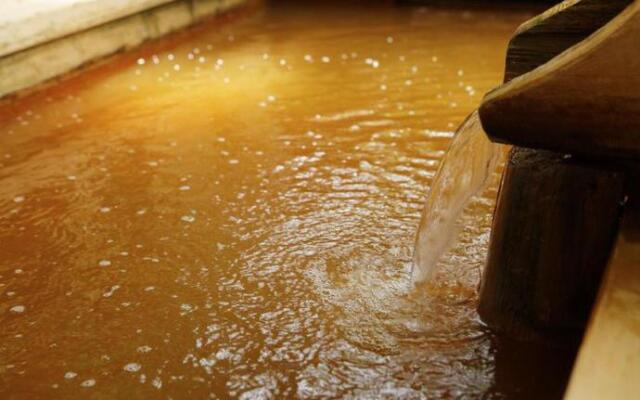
(231, 213)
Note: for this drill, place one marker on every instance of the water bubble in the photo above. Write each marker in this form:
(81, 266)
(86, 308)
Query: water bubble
(144, 349)
(188, 218)
(389, 39)
(88, 383)
(104, 263)
(111, 291)
(70, 375)
(19, 309)
(157, 382)
(132, 367)
(374, 63)
(141, 61)
(223, 354)
(185, 188)
(18, 199)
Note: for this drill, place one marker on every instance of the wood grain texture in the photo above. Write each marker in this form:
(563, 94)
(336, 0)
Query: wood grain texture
(608, 365)
(555, 222)
(586, 100)
(552, 32)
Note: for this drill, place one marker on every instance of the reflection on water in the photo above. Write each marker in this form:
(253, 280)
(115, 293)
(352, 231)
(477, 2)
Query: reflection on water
(466, 170)
(230, 213)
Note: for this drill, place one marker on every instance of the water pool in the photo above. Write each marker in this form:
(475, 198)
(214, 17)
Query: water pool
(230, 212)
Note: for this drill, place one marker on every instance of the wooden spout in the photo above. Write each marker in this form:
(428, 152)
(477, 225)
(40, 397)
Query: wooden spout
(584, 100)
(557, 214)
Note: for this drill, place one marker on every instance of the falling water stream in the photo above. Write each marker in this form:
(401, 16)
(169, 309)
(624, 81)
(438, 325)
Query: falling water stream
(465, 171)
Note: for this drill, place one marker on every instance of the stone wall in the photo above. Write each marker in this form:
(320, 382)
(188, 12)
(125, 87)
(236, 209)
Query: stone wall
(40, 40)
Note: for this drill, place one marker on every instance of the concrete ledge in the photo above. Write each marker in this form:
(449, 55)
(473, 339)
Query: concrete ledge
(27, 23)
(86, 30)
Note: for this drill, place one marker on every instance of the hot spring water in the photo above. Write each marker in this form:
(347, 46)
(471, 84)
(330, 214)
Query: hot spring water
(465, 171)
(229, 212)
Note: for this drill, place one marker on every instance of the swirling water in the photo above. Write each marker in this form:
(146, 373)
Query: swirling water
(230, 212)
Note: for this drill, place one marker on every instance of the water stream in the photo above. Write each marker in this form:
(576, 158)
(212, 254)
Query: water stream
(465, 171)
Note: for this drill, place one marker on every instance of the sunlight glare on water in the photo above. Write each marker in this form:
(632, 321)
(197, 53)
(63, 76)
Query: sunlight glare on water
(230, 212)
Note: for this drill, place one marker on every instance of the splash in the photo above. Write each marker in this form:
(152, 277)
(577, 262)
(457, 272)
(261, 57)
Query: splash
(464, 172)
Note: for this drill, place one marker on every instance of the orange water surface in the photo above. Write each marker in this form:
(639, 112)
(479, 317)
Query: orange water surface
(230, 212)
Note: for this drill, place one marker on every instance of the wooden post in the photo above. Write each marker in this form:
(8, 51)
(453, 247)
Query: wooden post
(556, 215)
(554, 225)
